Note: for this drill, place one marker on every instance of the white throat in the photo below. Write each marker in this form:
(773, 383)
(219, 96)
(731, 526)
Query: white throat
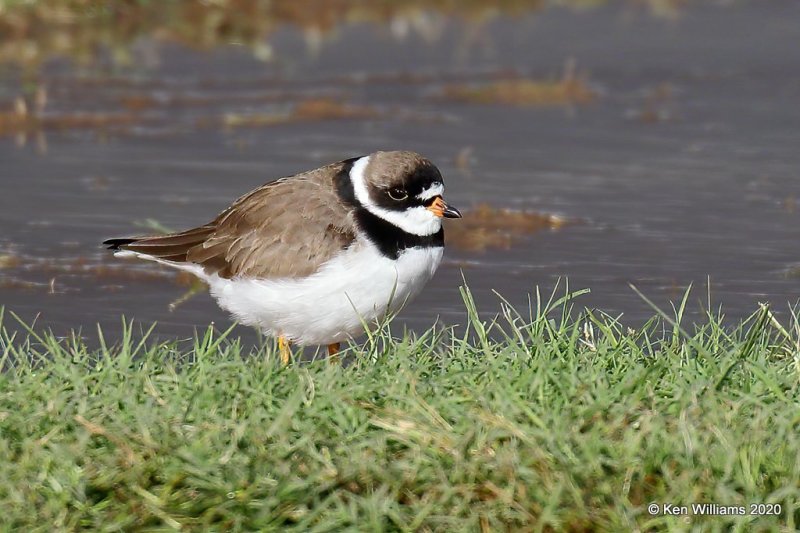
(416, 220)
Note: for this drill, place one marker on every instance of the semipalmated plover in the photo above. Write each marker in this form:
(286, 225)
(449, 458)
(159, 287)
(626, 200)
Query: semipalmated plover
(313, 257)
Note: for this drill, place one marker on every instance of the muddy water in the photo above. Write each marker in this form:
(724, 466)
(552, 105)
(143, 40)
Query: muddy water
(683, 167)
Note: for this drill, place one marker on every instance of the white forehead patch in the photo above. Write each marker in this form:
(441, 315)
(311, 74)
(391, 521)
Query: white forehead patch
(416, 220)
(437, 189)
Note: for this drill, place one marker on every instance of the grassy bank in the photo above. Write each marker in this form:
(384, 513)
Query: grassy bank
(559, 423)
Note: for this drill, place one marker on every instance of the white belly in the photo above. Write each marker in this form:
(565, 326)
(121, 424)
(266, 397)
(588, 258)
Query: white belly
(331, 305)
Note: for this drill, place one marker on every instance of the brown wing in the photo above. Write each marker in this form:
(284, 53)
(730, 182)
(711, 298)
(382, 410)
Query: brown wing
(284, 229)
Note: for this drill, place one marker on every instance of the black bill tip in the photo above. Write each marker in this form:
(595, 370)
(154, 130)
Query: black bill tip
(451, 212)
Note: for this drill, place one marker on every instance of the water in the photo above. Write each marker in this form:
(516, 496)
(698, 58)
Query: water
(683, 168)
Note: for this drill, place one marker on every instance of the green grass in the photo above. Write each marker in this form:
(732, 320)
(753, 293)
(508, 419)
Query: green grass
(555, 421)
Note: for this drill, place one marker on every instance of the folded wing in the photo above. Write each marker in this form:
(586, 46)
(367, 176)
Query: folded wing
(284, 229)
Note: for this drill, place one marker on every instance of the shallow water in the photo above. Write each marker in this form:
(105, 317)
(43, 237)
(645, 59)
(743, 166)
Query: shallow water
(683, 168)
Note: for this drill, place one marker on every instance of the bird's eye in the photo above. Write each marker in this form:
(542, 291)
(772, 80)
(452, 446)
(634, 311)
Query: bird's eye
(398, 194)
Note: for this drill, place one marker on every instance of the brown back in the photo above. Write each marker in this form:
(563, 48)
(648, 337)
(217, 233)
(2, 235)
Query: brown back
(284, 229)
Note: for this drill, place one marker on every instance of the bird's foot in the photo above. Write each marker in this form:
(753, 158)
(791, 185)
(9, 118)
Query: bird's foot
(284, 348)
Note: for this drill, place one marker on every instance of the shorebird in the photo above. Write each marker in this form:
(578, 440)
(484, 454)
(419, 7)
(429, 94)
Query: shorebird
(312, 258)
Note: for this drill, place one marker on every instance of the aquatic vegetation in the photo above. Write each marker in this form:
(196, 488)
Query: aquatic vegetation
(523, 92)
(34, 273)
(656, 105)
(79, 29)
(21, 119)
(9, 261)
(305, 110)
(553, 419)
(486, 227)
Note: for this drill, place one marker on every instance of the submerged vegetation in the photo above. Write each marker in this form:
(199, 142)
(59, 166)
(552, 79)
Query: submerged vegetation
(491, 228)
(304, 110)
(570, 89)
(549, 420)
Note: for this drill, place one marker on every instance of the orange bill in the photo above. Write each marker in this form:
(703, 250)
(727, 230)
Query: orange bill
(440, 208)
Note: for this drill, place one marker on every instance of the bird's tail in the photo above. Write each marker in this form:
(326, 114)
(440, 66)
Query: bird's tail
(173, 248)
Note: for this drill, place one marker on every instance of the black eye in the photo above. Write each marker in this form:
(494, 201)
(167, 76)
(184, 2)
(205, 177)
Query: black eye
(398, 194)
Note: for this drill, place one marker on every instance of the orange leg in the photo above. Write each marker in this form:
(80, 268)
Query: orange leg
(333, 352)
(285, 350)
